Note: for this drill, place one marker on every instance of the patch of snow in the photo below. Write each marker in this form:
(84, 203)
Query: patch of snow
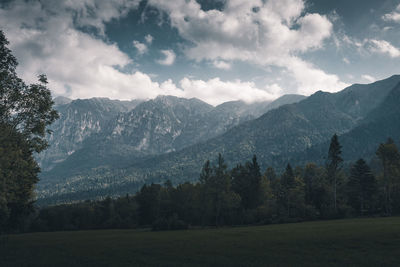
(117, 130)
(143, 144)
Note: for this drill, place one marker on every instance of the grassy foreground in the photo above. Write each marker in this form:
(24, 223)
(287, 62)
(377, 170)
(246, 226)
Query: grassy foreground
(356, 242)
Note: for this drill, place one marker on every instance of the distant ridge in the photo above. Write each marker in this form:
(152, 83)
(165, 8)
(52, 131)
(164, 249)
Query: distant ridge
(61, 100)
(281, 135)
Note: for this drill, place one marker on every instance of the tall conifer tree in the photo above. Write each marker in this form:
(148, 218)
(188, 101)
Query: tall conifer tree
(362, 188)
(333, 166)
(390, 159)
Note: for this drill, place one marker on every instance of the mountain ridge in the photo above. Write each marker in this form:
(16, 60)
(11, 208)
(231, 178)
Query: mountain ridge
(274, 137)
(160, 125)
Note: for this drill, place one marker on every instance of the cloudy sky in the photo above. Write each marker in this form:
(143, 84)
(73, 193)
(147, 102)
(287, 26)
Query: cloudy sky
(215, 50)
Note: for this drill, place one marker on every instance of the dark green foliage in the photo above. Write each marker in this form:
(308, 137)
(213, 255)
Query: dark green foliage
(189, 203)
(169, 223)
(291, 195)
(206, 172)
(17, 177)
(25, 112)
(316, 190)
(270, 174)
(246, 181)
(362, 188)
(287, 179)
(109, 213)
(28, 109)
(390, 160)
(219, 200)
(149, 203)
(333, 166)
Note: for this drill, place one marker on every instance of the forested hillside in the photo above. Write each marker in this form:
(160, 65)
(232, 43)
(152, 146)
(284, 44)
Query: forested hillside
(246, 194)
(281, 135)
(92, 137)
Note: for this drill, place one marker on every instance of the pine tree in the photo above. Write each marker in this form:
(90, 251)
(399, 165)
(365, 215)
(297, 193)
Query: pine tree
(216, 189)
(309, 177)
(246, 181)
(206, 173)
(333, 166)
(316, 187)
(390, 159)
(255, 183)
(221, 183)
(287, 179)
(148, 199)
(362, 188)
(270, 174)
(207, 191)
(287, 184)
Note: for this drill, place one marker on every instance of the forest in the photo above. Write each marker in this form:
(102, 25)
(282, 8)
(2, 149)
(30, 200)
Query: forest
(244, 195)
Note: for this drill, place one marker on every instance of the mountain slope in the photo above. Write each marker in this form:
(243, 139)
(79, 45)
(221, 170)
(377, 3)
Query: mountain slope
(362, 141)
(275, 137)
(79, 119)
(382, 123)
(279, 133)
(155, 127)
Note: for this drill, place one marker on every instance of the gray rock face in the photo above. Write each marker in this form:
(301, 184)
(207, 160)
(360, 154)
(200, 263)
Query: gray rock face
(79, 119)
(94, 134)
(137, 128)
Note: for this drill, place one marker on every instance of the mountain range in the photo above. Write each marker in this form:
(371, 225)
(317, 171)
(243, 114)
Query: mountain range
(105, 147)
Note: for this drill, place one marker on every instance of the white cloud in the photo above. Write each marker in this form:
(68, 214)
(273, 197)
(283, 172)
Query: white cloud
(393, 16)
(310, 78)
(79, 65)
(383, 47)
(215, 91)
(256, 31)
(149, 39)
(346, 60)
(169, 58)
(387, 28)
(140, 47)
(368, 78)
(367, 46)
(221, 64)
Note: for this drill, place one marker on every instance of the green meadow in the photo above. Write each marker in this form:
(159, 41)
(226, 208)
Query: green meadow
(352, 242)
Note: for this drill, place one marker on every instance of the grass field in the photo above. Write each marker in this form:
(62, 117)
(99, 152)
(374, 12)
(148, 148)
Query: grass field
(356, 242)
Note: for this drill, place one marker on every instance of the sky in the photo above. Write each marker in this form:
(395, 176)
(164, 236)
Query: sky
(214, 50)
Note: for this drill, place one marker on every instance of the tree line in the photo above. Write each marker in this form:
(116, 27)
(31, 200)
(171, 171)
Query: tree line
(244, 195)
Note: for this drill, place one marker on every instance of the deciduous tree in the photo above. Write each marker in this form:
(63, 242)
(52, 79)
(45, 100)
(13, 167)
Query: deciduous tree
(25, 112)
